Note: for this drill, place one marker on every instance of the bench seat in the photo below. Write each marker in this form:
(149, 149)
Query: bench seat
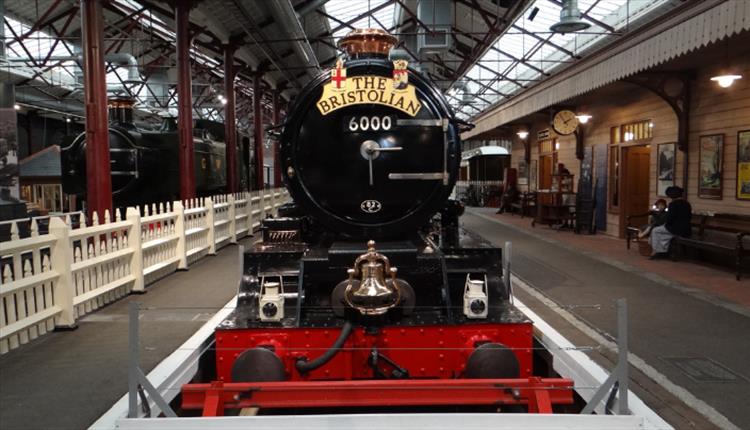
(725, 234)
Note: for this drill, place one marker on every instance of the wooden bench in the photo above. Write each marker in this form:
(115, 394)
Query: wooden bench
(726, 234)
(525, 204)
(632, 230)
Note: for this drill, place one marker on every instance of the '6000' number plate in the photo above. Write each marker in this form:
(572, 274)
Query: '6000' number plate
(369, 123)
(371, 206)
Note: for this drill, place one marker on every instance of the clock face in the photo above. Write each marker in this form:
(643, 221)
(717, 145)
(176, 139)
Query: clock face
(565, 122)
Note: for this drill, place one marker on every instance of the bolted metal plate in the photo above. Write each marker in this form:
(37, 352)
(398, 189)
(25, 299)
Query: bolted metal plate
(702, 369)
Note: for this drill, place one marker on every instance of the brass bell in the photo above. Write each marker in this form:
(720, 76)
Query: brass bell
(372, 294)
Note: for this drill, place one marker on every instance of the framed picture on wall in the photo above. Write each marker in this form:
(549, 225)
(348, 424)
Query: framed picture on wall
(743, 165)
(523, 174)
(665, 168)
(710, 162)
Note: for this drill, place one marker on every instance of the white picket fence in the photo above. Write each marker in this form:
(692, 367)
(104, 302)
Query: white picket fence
(50, 280)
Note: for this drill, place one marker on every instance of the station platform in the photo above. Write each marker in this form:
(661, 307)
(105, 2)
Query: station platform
(687, 343)
(66, 380)
(688, 322)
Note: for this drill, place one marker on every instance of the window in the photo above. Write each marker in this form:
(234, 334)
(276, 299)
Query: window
(547, 146)
(636, 131)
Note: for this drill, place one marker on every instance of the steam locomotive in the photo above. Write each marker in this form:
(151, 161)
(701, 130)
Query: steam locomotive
(144, 164)
(365, 292)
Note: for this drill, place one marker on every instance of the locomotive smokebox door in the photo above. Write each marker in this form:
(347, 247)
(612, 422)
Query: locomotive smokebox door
(385, 128)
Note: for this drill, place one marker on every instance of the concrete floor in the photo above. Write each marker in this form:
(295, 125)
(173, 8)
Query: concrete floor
(667, 323)
(66, 380)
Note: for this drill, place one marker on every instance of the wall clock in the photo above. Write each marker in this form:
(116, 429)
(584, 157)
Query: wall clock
(565, 122)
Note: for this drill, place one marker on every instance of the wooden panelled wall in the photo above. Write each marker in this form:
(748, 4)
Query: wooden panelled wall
(714, 110)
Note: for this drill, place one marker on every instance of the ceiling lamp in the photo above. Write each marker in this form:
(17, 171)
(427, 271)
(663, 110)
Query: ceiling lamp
(523, 134)
(727, 75)
(583, 118)
(570, 19)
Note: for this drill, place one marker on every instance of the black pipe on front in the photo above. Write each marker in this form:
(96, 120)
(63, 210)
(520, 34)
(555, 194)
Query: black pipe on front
(304, 366)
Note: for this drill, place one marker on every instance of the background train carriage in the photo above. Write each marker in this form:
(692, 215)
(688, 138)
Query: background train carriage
(481, 177)
(144, 164)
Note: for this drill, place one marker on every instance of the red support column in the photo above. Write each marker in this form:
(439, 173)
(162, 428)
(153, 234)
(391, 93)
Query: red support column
(230, 127)
(258, 131)
(185, 100)
(98, 176)
(276, 160)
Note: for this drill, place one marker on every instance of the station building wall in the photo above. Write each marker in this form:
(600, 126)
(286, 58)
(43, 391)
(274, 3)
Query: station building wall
(714, 110)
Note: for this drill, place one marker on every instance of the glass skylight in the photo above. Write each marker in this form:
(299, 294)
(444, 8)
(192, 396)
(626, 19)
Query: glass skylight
(344, 11)
(528, 51)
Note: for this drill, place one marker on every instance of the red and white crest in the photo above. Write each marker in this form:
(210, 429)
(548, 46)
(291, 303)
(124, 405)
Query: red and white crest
(400, 74)
(338, 76)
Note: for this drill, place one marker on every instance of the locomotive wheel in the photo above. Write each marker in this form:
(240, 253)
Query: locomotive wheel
(492, 361)
(258, 365)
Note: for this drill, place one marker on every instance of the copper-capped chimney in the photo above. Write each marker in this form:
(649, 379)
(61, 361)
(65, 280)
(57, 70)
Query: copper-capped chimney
(121, 110)
(367, 42)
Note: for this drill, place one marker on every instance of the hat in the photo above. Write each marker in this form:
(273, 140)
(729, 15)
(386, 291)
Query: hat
(674, 192)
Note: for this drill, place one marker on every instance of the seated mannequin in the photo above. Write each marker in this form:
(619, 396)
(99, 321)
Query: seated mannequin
(509, 197)
(658, 217)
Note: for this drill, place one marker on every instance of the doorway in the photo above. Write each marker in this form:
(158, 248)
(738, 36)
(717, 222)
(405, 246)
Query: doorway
(635, 184)
(547, 165)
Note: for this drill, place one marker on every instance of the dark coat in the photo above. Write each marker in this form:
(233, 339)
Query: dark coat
(679, 214)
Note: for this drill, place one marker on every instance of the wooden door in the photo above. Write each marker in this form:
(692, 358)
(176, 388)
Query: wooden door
(635, 181)
(546, 164)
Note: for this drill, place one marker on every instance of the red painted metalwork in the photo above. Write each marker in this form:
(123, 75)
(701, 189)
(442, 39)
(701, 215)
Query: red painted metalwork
(230, 127)
(425, 351)
(276, 161)
(539, 394)
(98, 176)
(185, 100)
(258, 131)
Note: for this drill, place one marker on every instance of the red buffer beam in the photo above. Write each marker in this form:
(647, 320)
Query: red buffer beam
(539, 394)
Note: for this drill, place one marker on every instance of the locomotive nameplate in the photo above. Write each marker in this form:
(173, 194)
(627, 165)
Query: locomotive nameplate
(356, 90)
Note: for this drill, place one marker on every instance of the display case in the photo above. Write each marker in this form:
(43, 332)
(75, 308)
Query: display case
(562, 183)
(556, 207)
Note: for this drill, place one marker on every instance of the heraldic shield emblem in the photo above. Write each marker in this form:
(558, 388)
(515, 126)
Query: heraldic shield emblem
(400, 74)
(338, 76)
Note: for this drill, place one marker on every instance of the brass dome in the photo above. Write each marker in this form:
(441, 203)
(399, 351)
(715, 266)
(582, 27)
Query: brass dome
(367, 41)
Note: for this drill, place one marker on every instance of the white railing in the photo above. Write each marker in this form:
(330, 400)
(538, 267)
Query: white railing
(50, 280)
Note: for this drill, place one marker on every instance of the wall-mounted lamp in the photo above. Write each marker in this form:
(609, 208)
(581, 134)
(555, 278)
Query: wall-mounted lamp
(222, 99)
(726, 79)
(583, 118)
(523, 134)
(17, 106)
